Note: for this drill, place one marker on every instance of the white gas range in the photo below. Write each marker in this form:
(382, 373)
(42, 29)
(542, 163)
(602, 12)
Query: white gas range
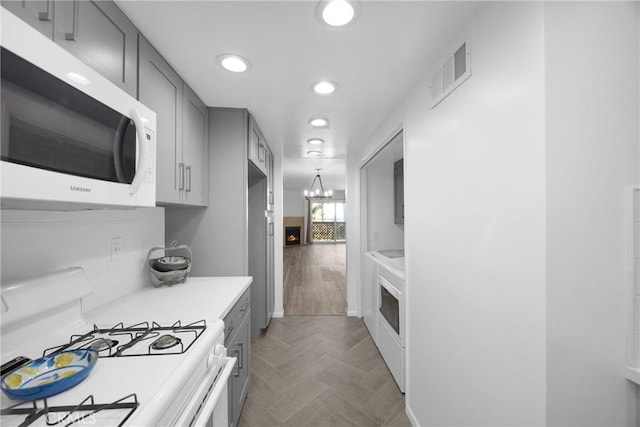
(156, 372)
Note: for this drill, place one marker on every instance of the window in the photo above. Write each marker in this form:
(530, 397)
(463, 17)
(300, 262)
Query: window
(328, 222)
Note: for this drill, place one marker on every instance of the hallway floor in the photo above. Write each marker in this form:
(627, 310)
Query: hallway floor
(320, 371)
(315, 279)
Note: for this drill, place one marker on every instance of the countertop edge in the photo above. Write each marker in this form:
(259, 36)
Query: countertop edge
(385, 263)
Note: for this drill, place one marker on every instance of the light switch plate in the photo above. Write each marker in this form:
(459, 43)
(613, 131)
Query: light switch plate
(116, 249)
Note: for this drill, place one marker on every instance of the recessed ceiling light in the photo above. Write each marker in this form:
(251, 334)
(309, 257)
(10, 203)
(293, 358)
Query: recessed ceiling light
(325, 87)
(315, 141)
(337, 13)
(319, 122)
(233, 63)
(314, 152)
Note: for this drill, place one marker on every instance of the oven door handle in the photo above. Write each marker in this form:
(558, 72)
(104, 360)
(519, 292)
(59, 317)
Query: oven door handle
(206, 407)
(210, 403)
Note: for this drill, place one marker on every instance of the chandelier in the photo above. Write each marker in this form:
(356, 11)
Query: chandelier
(319, 191)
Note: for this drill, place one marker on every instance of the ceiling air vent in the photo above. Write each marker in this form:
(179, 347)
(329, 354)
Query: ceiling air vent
(455, 70)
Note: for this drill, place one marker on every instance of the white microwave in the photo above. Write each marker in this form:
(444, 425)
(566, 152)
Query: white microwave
(70, 138)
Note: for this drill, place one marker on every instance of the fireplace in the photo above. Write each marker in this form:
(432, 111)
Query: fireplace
(291, 236)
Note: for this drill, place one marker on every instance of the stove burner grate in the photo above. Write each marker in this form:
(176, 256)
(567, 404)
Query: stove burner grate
(69, 415)
(106, 340)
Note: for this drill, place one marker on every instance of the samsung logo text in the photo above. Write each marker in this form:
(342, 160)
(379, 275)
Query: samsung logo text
(80, 189)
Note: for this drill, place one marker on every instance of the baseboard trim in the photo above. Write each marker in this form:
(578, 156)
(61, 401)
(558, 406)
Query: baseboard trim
(353, 313)
(278, 314)
(412, 418)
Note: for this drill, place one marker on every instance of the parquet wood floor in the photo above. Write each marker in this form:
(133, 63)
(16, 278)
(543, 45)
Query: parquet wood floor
(320, 371)
(315, 279)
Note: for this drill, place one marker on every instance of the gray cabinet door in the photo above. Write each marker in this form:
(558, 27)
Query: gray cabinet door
(270, 180)
(239, 381)
(195, 149)
(38, 14)
(99, 34)
(161, 90)
(257, 147)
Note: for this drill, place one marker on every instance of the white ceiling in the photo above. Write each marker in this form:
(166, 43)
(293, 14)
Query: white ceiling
(375, 60)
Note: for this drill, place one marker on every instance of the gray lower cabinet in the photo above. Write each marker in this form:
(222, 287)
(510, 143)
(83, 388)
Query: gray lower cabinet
(96, 32)
(238, 342)
(182, 131)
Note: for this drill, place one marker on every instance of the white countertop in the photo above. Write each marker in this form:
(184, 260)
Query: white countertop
(394, 265)
(198, 298)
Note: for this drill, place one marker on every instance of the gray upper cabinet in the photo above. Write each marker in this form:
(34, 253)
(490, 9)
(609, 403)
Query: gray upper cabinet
(160, 89)
(257, 147)
(38, 14)
(195, 149)
(182, 140)
(101, 35)
(270, 169)
(398, 192)
(96, 32)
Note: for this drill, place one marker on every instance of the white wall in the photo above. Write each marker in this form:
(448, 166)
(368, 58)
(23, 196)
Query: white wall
(339, 196)
(475, 224)
(592, 158)
(294, 203)
(38, 242)
(521, 169)
(474, 230)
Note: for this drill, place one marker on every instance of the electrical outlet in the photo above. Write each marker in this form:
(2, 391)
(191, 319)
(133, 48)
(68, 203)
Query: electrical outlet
(116, 249)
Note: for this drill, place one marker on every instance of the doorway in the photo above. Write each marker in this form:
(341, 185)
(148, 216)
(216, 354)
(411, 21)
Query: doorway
(314, 267)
